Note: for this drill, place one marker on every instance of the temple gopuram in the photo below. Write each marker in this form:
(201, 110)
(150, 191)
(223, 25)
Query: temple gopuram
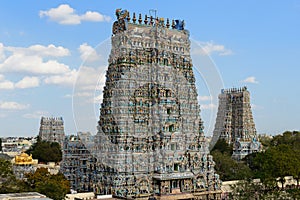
(150, 142)
(235, 122)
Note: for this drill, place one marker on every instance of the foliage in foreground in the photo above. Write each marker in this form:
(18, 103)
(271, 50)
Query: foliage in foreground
(251, 190)
(53, 186)
(226, 167)
(8, 181)
(280, 159)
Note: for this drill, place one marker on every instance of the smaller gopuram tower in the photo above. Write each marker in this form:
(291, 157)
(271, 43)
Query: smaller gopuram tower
(235, 122)
(52, 129)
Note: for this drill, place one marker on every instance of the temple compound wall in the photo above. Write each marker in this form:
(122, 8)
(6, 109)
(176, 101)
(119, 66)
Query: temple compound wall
(235, 122)
(150, 141)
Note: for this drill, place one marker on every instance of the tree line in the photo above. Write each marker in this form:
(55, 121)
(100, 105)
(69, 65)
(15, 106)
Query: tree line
(280, 157)
(53, 186)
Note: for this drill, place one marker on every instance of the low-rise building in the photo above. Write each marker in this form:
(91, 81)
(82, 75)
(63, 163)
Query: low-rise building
(14, 145)
(24, 163)
(81, 196)
(25, 195)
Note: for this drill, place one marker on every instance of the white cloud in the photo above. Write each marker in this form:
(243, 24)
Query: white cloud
(95, 16)
(204, 98)
(85, 79)
(88, 53)
(250, 79)
(50, 50)
(35, 61)
(66, 79)
(98, 99)
(208, 48)
(28, 82)
(32, 65)
(208, 106)
(35, 115)
(5, 84)
(64, 14)
(11, 105)
(32, 60)
(2, 54)
(79, 94)
(90, 78)
(68, 96)
(83, 94)
(256, 107)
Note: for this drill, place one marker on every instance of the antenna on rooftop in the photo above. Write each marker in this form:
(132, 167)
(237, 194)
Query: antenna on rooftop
(151, 11)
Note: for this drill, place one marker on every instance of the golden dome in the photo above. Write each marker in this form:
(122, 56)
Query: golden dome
(23, 159)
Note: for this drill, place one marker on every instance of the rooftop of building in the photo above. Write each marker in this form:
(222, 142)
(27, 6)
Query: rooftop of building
(24, 159)
(234, 90)
(25, 195)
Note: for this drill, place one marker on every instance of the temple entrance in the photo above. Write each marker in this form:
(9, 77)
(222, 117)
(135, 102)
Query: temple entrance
(175, 184)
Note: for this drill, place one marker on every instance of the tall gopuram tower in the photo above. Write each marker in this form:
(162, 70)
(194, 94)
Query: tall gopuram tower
(52, 129)
(235, 122)
(150, 141)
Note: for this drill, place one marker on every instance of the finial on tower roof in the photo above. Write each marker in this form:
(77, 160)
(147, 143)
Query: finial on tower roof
(173, 24)
(146, 19)
(168, 23)
(128, 16)
(151, 20)
(140, 19)
(134, 18)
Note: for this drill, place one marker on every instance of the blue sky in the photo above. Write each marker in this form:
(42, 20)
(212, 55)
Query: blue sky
(46, 45)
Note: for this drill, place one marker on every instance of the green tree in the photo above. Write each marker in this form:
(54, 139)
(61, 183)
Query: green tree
(53, 186)
(8, 181)
(46, 151)
(280, 159)
(294, 193)
(288, 138)
(223, 147)
(265, 141)
(229, 169)
(226, 167)
(253, 190)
